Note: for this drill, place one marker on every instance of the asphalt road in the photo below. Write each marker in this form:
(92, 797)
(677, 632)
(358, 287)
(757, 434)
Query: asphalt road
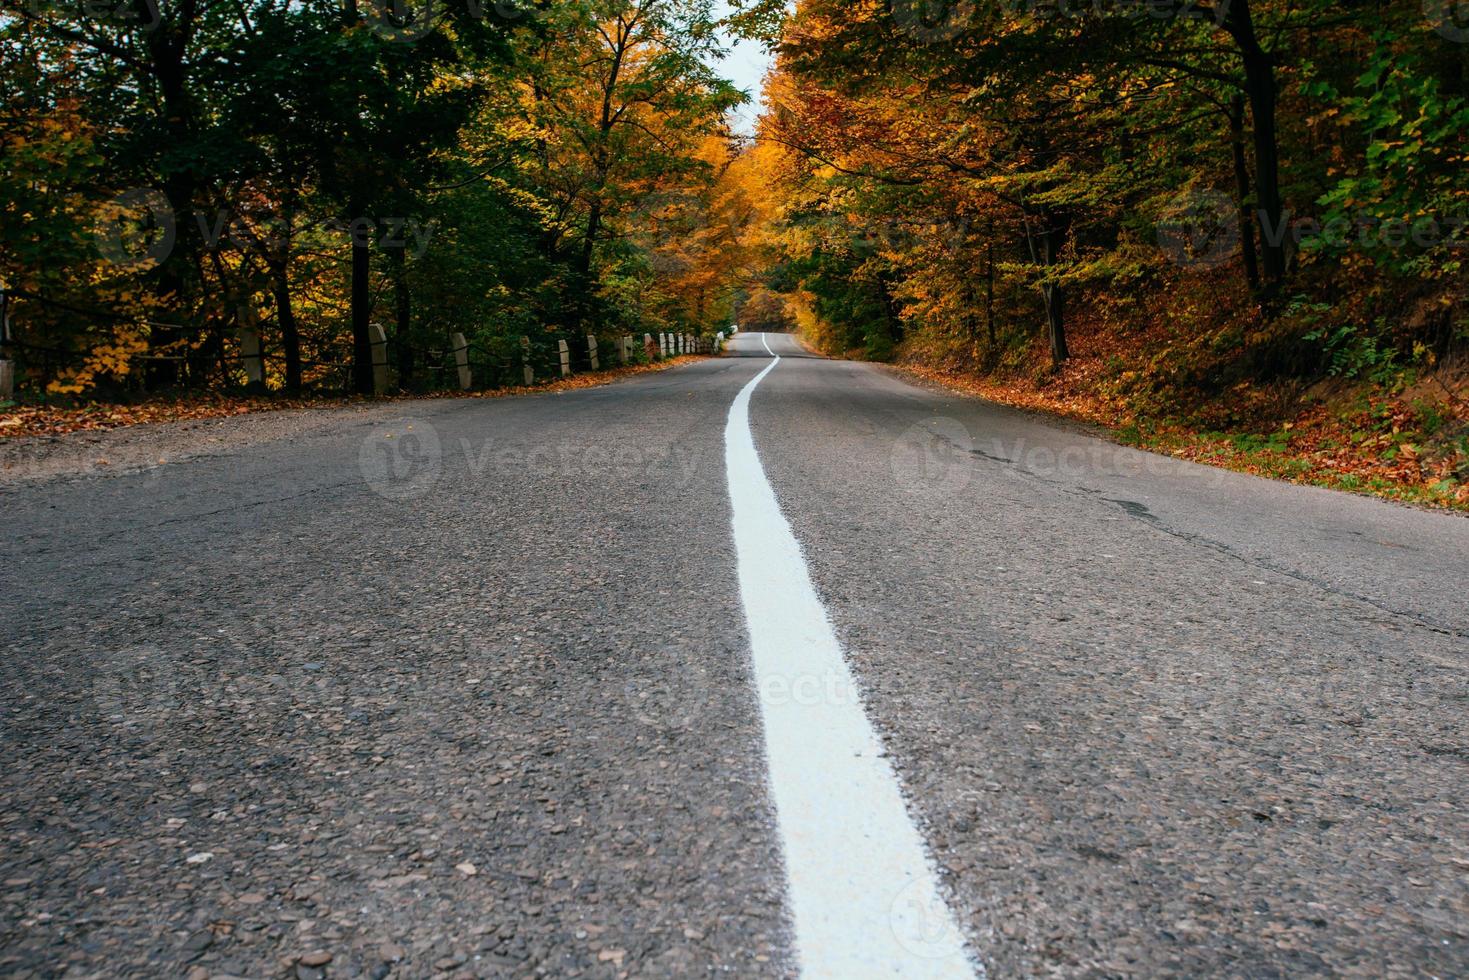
(465, 688)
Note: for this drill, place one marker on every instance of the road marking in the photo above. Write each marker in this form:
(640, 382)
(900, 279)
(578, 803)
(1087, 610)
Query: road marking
(862, 890)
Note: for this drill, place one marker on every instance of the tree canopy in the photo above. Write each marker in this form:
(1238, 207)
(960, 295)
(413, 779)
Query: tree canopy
(175, 171)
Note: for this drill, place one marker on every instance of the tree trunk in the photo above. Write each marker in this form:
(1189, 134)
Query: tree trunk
(582, 312)
(213, 350)
(1055, 297)
(403, 303)
(1261, 89)
(989, 292)
(589, 243)
(361, 313)
(1052, 240)
(891, 320)
(290, 331)
(167, 46)
(1267, 170)
(1242, 188)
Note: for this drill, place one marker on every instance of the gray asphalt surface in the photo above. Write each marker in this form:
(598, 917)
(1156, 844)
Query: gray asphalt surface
(460, 688)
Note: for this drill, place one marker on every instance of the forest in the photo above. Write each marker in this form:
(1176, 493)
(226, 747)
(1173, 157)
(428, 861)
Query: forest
(176, 171)
(1235, 231)
(1232, 230)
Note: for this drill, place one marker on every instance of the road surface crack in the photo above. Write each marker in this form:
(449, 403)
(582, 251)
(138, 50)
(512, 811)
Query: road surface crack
(1141, 513)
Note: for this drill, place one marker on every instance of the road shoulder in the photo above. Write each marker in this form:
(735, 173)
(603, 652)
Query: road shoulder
(136, 443)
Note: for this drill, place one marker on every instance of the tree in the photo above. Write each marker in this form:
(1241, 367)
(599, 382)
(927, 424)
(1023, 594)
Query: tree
(621, 98)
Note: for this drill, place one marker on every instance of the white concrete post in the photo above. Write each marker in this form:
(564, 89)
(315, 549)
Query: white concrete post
(461, 361)
(565, 358)
(529, 372)
(7, 367)
(250, 355)
(718, 342)
(592, 352)
(662, 345)
(379, 338)
(624, 349)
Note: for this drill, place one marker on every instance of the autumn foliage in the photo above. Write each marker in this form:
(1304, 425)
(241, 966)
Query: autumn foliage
(177, 175)
(1235, 231)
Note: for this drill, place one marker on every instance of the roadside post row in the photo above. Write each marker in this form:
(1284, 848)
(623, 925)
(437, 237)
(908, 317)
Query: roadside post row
(667, 345)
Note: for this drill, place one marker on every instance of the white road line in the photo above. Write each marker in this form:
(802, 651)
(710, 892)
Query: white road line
(862, 890)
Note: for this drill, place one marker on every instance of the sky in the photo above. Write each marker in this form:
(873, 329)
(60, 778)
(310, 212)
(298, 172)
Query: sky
(745, 66)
